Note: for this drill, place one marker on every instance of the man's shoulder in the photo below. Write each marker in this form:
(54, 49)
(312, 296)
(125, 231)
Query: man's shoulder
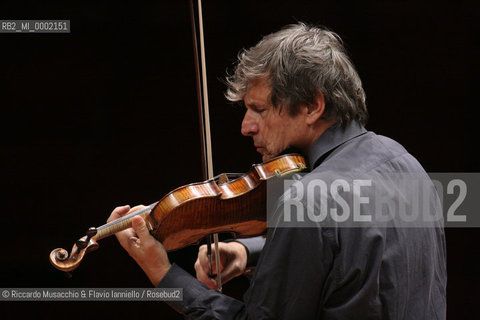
(367, 153)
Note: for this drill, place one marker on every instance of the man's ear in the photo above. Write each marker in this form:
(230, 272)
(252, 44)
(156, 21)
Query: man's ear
(316, 109)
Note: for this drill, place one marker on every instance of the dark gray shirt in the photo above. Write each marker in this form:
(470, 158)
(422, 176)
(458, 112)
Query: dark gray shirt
(331, 272)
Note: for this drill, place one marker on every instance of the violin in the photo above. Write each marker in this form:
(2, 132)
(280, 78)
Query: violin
(189, 213)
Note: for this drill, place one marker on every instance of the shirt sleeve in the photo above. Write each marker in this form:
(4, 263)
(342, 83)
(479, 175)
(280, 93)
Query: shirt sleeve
(200, 302)
(254, 247)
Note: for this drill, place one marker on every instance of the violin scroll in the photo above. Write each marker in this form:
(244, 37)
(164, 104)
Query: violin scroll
(60, 258)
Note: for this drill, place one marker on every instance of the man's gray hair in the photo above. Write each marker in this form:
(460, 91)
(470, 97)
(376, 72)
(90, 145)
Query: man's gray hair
(300, 61)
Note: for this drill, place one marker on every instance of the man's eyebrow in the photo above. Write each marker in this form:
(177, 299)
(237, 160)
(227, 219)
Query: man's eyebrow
(252, 105)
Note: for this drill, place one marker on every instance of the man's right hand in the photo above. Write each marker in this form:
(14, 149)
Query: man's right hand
(233, 261)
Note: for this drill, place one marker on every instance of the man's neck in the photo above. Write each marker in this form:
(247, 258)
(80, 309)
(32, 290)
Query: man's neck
(315, 132)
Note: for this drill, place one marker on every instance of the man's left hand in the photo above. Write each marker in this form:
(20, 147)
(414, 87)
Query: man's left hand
(149, 253)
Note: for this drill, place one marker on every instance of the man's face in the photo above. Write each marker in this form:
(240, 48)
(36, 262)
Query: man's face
(272, 130)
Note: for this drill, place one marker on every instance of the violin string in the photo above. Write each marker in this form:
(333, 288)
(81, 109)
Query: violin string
(122, 223)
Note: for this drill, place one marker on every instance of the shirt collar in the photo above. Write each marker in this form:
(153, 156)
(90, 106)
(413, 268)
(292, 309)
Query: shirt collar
(332, 138)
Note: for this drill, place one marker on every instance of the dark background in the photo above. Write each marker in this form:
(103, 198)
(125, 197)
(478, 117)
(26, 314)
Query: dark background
(106, 115)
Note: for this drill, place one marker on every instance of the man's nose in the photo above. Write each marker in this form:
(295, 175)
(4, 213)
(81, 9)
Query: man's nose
(249, 125)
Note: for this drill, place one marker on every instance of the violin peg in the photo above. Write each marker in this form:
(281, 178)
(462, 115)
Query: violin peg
(91, 232)
(81, 243)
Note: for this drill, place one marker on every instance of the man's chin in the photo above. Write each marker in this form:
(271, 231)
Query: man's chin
(266, 157)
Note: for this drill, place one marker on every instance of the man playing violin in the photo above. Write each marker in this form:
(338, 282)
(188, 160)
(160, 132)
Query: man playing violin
(300, 90)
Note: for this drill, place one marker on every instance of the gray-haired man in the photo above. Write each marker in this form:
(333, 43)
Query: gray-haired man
(300, 90)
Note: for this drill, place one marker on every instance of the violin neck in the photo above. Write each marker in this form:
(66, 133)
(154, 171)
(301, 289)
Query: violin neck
(123, 223)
